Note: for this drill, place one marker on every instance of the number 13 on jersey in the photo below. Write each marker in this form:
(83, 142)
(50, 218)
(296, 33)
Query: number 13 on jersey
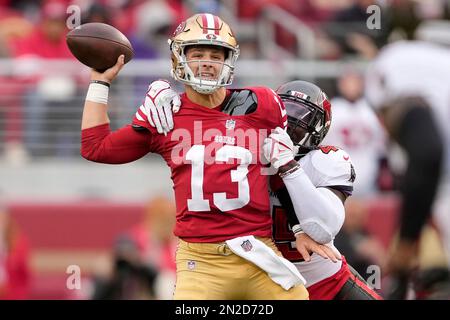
(196, 155)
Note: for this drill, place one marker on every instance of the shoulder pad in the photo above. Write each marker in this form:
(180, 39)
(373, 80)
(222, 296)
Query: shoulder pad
(240, 102)
(328, 166)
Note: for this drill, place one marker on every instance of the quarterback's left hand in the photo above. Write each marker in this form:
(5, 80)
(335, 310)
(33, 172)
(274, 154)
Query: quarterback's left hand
(278, 148)
(160, 102)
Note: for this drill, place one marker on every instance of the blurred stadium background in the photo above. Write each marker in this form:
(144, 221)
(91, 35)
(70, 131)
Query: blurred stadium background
(59, 210)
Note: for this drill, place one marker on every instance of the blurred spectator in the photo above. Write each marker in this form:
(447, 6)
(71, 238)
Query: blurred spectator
(285, 33)
(154, 22)
(403, 19)
(47, 40)
(11, 120)
(130, 279)
(157, 243)
(97, 12)
(144, 257)
(14, 260)
(249, 10)
(13, 27)
(349, 30)
(125, 15)
(51, 92)
(210, 6)
(356, 129)
(28, 8)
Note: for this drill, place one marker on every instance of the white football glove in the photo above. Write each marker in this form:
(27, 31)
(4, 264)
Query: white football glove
(278, 148)
(159, 104)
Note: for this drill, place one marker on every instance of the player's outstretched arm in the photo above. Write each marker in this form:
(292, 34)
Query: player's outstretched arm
(98, 143)
(95, 110)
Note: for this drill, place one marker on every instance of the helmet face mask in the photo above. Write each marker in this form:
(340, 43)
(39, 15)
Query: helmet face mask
(203, 30)
(309, 113)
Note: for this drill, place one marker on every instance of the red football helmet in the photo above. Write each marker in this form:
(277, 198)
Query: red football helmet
(309, 113)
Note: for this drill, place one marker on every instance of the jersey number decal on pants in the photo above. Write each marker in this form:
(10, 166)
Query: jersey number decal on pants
(196, 155)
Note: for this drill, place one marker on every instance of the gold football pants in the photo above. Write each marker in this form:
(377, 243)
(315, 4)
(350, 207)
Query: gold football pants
(210, 271)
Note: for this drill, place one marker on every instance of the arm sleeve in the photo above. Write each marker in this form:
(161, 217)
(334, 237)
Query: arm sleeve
(319, 211)
(418, 135)
(125, 145)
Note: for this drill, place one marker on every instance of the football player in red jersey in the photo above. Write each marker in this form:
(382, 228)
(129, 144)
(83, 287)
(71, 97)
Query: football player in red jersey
(223, 216)
(318, 191)
(309, 192)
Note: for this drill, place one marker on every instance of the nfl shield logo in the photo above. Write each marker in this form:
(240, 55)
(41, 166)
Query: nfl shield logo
(247, 245)
(191, 265)
(230, 124)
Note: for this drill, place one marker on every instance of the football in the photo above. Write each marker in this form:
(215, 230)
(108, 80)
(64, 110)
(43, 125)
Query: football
(98, 45)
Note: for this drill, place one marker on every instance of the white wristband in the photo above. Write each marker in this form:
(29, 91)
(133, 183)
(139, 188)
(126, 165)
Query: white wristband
(297, 229)
(97, 93)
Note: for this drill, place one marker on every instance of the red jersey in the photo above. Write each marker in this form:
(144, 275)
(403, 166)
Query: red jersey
(216, 166)
(216, 169)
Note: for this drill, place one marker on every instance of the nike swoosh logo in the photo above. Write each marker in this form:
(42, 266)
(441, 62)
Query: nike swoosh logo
(346, 158)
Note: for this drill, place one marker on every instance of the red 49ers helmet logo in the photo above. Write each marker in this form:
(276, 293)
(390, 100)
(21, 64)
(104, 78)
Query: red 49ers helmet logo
(179, 29)
(211, 36)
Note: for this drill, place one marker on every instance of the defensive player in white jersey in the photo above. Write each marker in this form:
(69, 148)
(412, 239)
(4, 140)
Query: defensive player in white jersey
(309, 191)
(408, 84)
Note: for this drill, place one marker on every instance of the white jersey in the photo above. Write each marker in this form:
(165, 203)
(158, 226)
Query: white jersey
(356, 129)
(325, 167)
(415, 68)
